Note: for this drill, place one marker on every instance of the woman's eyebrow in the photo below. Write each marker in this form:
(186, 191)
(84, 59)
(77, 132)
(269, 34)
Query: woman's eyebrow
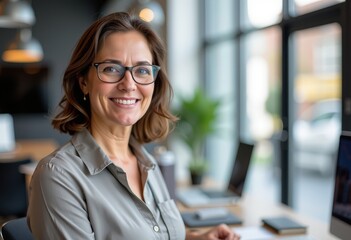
(112, 61)
(119, 62)
(143, 62)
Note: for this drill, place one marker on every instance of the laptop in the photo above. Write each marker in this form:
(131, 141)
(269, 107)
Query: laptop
(340, 222)
(7, 133)
(200, 196)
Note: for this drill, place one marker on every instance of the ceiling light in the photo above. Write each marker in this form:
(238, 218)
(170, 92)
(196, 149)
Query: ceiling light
(23, 49)
(149, 11)
(16, 14)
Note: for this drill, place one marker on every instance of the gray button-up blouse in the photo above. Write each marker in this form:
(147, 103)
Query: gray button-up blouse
(78, 193)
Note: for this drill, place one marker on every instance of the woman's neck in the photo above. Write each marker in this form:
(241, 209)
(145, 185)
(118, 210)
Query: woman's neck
(114, 142)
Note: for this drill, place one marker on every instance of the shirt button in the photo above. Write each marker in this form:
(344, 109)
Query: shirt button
(156, 228)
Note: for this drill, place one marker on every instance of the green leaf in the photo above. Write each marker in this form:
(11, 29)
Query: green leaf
(198, 116)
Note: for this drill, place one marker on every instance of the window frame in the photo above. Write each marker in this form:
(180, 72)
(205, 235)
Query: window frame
(339, 13)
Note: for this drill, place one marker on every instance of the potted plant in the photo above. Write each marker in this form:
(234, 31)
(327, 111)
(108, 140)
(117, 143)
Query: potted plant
(197, 117)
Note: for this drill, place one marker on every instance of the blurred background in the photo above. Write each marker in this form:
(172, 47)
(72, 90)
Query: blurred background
(278, 66)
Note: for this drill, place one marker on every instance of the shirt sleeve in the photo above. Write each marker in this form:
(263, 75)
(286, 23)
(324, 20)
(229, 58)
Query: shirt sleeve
(57, 209)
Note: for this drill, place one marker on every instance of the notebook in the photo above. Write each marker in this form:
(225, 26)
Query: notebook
(7, 137)
(284, 225)
(200, 196)
(209, 217)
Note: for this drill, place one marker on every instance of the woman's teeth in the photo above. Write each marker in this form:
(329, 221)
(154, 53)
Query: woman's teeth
(125, 102)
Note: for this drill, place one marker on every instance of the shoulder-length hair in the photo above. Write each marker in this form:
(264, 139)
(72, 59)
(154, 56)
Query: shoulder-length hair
(74, 114)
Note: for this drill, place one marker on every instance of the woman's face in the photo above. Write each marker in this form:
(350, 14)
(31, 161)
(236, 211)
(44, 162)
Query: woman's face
(125, 102)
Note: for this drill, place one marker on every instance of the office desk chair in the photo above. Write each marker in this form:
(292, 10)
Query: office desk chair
(16, 229)
(13, 189)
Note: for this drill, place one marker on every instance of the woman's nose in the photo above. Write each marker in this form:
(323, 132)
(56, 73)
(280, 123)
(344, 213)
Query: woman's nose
(127, 83)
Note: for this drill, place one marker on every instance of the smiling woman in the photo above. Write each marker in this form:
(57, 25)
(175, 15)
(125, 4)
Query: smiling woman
(109, 81)
(103, 184)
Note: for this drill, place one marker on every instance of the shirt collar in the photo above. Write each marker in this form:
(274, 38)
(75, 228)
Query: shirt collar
(95, 158)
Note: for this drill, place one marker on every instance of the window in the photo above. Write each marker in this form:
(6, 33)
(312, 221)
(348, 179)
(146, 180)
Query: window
(263, 13)
(284, 65)
(305, 6)
(220, 73)
(220, 70)
(316, 117)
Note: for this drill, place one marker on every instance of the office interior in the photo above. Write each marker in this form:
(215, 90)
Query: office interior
(280, 68)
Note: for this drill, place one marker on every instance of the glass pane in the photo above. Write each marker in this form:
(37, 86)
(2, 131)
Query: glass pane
(261, 114)
(305, 6)
(219, 17)
(221, 84)
(261, 13)
(317, 118)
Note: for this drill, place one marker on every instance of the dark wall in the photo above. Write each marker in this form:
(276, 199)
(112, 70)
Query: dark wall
(59, 24)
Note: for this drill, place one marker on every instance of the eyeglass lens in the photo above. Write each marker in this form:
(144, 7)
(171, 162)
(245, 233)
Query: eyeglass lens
(113, 72)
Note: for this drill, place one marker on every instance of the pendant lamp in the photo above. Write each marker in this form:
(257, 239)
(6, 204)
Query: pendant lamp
(24, 49)
(16, 14)
(149, 11)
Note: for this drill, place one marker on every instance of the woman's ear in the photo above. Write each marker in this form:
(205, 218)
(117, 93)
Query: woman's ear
(83, 85)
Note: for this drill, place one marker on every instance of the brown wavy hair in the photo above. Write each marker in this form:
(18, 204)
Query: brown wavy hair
(74, 114)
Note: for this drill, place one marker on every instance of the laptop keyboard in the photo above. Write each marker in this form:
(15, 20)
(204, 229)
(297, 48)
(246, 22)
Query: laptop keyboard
(218, 194)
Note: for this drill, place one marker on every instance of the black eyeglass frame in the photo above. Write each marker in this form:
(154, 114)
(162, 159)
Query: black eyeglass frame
(130, 69)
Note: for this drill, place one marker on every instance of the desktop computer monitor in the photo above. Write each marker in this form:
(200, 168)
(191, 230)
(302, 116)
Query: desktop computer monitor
(340, 224)
(7, 133)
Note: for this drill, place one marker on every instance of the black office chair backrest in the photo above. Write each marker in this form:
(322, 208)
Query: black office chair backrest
(16, 229)
(13, 189)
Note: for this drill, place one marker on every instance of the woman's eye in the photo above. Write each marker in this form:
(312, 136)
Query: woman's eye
(110, 69)
(113, 70)
(143, 71)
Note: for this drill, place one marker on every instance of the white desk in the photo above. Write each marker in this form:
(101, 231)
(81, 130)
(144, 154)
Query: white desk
(252, 209)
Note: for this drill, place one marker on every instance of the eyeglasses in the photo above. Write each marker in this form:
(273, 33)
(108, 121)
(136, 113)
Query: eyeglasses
(110, 72)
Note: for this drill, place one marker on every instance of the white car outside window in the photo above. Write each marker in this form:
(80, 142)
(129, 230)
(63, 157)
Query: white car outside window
(316, 138)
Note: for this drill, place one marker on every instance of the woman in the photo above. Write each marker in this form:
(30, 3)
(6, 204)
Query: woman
(103, 184)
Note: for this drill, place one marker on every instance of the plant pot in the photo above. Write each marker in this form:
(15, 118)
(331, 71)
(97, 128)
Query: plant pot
(196, 178)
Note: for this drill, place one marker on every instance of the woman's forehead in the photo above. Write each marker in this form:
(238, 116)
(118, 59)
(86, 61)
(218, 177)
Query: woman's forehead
(121, 45)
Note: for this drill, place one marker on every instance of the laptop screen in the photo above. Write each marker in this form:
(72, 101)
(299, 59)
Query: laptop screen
(341, 209)
(240, 168)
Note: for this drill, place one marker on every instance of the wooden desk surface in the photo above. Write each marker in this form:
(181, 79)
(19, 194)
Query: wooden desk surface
(34, 149)
(252, 209)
